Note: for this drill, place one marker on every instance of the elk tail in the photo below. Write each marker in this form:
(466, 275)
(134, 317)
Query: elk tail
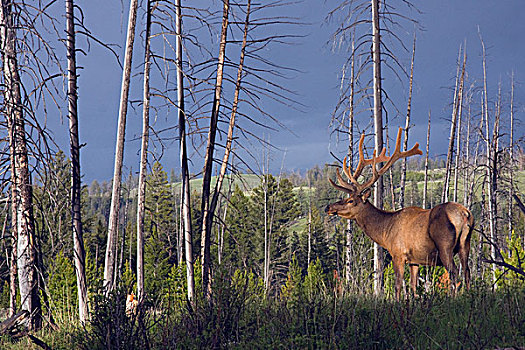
(468, 224)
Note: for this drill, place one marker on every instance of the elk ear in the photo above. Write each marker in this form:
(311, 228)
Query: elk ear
(366, 194)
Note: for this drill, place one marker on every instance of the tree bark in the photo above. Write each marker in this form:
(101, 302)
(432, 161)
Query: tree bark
(455, 110)
(402, 182)
(207, 216)
(109, 265)
(458, 134)
(378, 129)
(511, 158)
(21, 179)
(489, 171)
(349, 225)
(79, 254)
(425, 183)
(143, 160)
(185, 175)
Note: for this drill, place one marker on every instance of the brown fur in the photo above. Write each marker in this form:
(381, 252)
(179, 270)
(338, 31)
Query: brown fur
(414, 236)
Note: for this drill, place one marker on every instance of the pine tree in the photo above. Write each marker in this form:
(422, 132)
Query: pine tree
(282, 207)
(160, 231)
(239, 246)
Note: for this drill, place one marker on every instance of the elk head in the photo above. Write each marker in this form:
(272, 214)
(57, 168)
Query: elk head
(358, 193)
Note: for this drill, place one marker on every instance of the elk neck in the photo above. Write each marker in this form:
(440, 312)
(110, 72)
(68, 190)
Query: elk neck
(374, 222)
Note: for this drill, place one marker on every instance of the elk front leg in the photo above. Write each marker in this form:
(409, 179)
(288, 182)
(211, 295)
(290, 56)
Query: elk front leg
(399, 270)
(414, 270)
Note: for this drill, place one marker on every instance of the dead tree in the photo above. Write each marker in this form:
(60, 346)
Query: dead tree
(79, 253)
(425, 181)
(456, 109)
(109, 265)
(22, 192)
(143, 158)
(490, 158)
(208, 161)
(185, 221)
(402, 182)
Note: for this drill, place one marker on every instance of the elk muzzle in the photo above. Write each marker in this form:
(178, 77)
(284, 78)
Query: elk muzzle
(330, 210)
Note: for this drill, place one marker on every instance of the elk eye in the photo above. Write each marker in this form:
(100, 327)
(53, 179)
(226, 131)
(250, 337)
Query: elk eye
(350, 201)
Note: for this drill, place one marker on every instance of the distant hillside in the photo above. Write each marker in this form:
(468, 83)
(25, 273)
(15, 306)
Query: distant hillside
(246, 182)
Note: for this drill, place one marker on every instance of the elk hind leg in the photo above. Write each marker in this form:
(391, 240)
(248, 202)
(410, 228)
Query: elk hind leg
(447, 258)
(464, 249)
(463, 253)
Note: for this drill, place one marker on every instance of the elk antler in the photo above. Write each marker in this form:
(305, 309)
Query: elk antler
(358, 187)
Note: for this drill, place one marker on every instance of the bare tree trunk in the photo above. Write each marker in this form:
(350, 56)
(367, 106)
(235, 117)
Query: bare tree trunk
(489, 157)
(467, 159)
(494, 172)
(458, 134)
(425, 183)
(185, 175)
(231, 126)
(207, 216)
(79, 254)
(109, 265)
(458, 154)
(453, 125)
(266, 274)
(390, 175)
(349, 225)
(23, 218)
(511, 157)
(141, 200)
(309, 222)
(402, 182)
(13, 270)
(378, 129)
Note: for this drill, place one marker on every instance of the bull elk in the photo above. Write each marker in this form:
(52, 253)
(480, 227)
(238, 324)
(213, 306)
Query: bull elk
(412, 235)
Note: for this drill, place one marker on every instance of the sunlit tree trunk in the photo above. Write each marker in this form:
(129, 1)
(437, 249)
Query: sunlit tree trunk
(458, 93)
(22, 209)
(467, 158)
(511, 158)
(489, 171)
(349, 225)
(185, 175)
(425, 183)
(109, 265)
(207, 215)
(402, 182)
(458, 133)
(79, 254)
(378, 129)
(143, 160)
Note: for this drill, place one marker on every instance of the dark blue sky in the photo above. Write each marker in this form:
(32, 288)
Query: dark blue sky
(446, 23)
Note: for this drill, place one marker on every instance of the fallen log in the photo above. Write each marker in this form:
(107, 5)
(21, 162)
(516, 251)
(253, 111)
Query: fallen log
(13, 322)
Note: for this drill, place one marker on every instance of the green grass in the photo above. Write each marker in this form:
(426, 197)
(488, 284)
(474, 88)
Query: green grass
(311, 316)
(246, 182)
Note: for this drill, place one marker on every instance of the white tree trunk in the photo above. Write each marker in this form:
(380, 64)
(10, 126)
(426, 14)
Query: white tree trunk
(185, 177)
(402, 182)
(378, 129)
(207, 216)
(425, 183)
(109, 266)
(79, 254)
(143, 160)
(22, 209)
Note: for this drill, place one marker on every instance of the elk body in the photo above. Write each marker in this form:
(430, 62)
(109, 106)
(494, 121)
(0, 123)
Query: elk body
(412, 235)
